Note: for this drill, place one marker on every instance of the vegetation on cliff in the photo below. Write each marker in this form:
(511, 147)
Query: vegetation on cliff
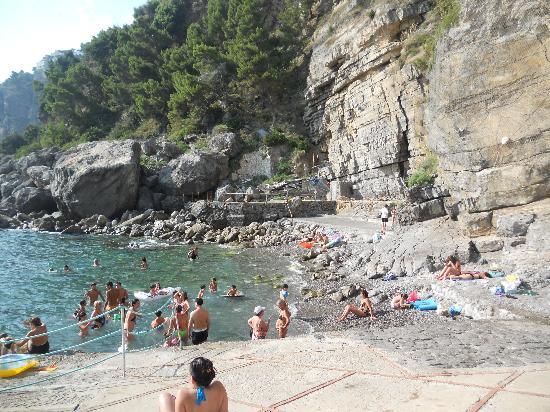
(181, 67)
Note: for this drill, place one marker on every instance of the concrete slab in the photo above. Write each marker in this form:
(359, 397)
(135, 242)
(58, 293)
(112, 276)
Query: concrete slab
(265, 384)
(538, 382)
(513, 402)
(489, 380)
(361, 392)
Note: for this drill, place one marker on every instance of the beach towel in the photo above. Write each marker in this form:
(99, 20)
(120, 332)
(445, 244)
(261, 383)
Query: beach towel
(496, 273)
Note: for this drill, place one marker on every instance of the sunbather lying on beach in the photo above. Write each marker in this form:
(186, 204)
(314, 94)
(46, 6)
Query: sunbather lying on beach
(452, 268)
(364, 310)
(202, 395)
(469, 276)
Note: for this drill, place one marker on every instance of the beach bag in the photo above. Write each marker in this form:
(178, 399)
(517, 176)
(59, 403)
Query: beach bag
(377, 237)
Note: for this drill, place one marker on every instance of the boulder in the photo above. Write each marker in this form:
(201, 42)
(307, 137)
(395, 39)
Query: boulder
(7, 222)
(40, 175)
(226, 143)
(476, 224)
(45, 157)
(251, 194)
(97, 177)
(489, 245)
(160, 147)
(32, 199)
(172, 203)
(73, 230)
(46, 223)
(192, 173)
(145, 199)
(514, 225)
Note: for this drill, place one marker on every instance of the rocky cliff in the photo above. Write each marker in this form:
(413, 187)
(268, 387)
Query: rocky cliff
(483, 109)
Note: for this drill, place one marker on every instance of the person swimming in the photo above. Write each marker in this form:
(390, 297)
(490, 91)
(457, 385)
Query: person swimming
(213, 285)
(96, 263)
(144, 265)
(201, 291)
(193, 254)
(67, 269)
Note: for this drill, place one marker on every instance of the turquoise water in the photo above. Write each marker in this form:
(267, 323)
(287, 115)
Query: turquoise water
(28, 288)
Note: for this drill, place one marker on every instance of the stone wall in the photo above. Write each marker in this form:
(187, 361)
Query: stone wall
(364, 111)
(242, 214)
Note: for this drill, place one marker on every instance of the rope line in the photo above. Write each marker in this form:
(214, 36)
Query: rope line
(58, 375)
(64, 327)
(44, 355)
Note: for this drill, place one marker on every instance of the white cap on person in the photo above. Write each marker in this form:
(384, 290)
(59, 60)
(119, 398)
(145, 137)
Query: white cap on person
(258, 310)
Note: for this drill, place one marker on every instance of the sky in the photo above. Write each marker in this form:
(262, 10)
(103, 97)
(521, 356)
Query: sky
(31, 29)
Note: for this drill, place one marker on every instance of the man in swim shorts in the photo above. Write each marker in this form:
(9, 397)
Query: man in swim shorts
(93, 294)
(199, 321)
(122, 293)
(112, 297)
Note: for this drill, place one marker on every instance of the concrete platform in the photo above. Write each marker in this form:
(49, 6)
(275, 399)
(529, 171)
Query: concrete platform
(297, 374)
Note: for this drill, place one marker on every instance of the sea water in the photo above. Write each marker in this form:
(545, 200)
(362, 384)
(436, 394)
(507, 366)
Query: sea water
(28, 287)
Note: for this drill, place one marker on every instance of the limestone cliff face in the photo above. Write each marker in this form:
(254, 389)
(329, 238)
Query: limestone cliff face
(483, 109)
(489, 104)
(363, 110)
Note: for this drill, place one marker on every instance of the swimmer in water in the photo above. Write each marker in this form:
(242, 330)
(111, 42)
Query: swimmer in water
(201, 292)
(67, 269)
(52, 270)
(159, 320)
(232, 291)
(144, 265)
(96, 263)
(213, 285)
(193, 254)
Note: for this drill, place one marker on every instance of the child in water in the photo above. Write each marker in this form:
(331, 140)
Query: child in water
(213, 285)
(283, 294)
(201, 292)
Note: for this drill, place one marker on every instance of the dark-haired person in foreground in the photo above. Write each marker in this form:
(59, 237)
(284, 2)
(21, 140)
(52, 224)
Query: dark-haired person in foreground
(203, 395)
(199, 321)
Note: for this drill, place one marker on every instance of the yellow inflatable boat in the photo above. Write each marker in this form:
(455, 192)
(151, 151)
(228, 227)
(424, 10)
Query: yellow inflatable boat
(11, 365)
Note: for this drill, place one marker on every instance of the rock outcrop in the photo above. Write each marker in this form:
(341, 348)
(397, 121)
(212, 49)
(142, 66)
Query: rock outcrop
(489, 112)
(97, 178)
(193, 172)
(364, 111)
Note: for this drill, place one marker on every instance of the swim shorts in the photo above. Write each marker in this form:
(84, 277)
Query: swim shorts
(199, 337)
(38, 349)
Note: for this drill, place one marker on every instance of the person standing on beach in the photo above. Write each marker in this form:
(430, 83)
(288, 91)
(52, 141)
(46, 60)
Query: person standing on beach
(93, 294)
(284, 315)
(121, 292)
(258, 326)
(384, 214)
(111, 295)
(199, 322)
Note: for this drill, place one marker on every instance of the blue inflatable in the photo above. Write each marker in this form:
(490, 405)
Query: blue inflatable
(428, 304)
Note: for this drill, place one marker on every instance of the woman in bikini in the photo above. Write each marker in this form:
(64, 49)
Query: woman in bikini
(131, 316)
(364, 310)
(258, 326)
(469, 276)
(452, 268)
(201, 395)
